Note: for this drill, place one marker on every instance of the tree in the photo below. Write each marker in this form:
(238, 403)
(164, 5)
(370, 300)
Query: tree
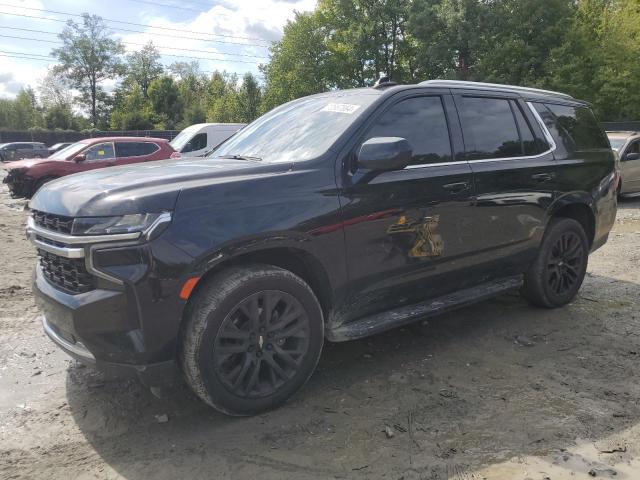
(222, 98)
(299, 63)
(87, 57)
(132, 112)
(25, 110)
(54, 90)
(144, 66)
(165, 100)
(249, 98)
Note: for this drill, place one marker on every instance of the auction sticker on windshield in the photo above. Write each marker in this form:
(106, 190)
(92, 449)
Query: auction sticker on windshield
(340, 108)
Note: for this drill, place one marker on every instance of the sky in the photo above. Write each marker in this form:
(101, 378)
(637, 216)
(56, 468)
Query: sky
(229, 35)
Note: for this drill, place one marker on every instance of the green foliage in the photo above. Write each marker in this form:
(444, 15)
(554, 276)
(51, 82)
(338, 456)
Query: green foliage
(165, 100)
(133, 112)
(87, 57)
(143, 67)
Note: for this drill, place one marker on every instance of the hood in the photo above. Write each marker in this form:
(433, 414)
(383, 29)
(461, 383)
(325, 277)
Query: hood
(141, 188)
(26, 163)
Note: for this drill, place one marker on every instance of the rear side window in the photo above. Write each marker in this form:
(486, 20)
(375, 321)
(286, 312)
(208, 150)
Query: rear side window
(489, 128)
(198, 142)
(422, 121)
(579, 126)
(135, 149)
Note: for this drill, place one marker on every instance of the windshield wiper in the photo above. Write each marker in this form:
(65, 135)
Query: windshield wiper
(240, 157)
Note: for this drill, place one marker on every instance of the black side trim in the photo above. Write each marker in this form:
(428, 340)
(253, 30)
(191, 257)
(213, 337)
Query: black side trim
(402, 316)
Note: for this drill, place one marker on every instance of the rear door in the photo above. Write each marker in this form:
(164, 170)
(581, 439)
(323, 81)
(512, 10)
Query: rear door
(134, 152)
(514, 179)
(407, 231)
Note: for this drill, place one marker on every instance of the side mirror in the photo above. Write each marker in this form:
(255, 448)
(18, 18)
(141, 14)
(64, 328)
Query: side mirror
(385, 153)
(631, 156)
(81, 157)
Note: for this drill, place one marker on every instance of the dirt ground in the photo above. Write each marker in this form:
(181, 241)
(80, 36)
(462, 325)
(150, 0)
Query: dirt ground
(500, 390)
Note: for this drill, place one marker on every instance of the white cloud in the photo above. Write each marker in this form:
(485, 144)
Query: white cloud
(262, 20)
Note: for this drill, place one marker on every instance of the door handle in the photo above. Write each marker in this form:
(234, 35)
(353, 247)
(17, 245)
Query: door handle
(542, 177)
(456, 187)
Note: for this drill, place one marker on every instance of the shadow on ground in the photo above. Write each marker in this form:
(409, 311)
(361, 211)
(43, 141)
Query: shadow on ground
(477, 386)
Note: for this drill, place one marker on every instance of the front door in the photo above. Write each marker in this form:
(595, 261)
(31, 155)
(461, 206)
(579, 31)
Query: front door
(97, 156)
(407, 231)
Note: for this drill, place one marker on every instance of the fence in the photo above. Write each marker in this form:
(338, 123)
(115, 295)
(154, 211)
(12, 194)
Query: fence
(49, 137)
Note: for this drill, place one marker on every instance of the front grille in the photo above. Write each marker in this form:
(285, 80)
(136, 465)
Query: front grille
(49, 221)
(69, 274)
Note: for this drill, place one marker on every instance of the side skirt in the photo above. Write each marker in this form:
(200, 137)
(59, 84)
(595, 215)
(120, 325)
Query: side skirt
(381, 322)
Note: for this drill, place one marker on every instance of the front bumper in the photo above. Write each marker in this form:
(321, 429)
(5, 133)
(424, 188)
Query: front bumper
(19, 186)
(126, 320)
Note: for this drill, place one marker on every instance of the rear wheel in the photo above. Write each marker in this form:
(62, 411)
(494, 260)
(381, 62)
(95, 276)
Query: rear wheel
(555, 277)
(252, 338)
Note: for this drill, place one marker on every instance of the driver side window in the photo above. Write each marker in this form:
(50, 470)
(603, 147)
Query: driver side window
(420, 120)
(101, 151)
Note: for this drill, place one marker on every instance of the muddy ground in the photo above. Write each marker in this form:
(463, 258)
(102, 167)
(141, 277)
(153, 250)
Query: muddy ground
(500, 390)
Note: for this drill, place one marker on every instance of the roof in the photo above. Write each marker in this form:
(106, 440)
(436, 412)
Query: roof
(496, 86)
(124, 139)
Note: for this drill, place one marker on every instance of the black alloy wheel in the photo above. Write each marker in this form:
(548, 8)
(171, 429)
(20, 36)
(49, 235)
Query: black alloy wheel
(565, 263)
(261, 343)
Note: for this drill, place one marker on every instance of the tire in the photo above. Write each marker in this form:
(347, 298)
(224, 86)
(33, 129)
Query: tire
(555, 277)
(228, 361)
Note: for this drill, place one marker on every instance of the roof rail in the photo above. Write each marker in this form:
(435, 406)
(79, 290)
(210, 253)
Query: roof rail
(462, 83)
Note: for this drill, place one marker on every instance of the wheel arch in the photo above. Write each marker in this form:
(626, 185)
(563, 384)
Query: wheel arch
(298, 261)
(579, 207)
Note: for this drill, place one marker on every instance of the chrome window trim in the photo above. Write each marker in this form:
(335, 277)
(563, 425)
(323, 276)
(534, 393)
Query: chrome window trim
(545, 132)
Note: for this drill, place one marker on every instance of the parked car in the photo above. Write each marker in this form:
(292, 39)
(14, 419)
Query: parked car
(10, 152)
(380, 206)
(202, 138)
(26, 176)
(627, 145)
(58, 146)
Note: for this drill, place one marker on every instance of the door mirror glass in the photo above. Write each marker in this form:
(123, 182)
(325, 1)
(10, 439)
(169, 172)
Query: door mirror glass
(81, 157)
(632, 156)
(385, 153)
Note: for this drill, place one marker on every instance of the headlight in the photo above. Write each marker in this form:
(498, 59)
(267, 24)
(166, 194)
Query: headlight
(138, 222)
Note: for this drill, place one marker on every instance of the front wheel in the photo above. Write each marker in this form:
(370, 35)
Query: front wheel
(253, 336)
(555, 277)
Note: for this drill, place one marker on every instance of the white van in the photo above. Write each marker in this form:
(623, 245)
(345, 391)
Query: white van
(199, 139)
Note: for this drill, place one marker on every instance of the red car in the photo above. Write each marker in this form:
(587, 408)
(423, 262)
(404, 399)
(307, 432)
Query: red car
(25, 177)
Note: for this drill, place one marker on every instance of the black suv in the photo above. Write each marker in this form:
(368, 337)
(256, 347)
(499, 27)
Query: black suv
(334, 216)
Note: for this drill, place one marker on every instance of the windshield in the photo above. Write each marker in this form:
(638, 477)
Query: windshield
(298, 130)
(183, 138)
(68, 151)
(617, 142)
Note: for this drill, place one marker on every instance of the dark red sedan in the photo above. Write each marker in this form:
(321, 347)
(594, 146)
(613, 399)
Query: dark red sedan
(25, 177)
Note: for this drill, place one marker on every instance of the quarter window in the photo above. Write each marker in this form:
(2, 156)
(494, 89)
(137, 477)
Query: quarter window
(489, 128)
(101, 151)
(420, 120)
(579, 126)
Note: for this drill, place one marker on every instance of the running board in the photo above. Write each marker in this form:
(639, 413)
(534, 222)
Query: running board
(380, 322)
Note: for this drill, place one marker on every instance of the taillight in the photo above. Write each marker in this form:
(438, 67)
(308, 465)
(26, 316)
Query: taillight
(176, 155)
